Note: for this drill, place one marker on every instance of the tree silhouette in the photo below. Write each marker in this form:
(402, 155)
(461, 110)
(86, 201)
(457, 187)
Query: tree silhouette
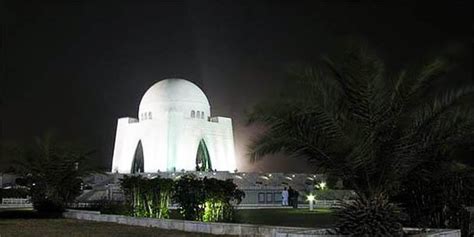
(369, 127)
(53, 172)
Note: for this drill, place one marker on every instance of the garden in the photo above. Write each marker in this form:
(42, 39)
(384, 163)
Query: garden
(27, 223)
(207, 199)
(393, 137)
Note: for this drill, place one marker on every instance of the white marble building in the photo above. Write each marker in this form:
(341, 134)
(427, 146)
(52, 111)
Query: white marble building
(174, 131)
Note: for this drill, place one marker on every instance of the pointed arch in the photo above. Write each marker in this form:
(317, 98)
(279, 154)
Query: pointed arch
(138, 164)
(203, 160)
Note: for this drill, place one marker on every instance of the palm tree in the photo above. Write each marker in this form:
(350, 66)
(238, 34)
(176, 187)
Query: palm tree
(356, 121)
(53, 171)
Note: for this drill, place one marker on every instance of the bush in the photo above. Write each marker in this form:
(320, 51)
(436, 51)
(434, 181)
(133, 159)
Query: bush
(198, 199)
(189, 194)
(43, 201)
(47, 206)
(206, 199)
(374, 216)
(219, 195)
(115, 208)
(13, 193)
(438, 198)
(147, 197)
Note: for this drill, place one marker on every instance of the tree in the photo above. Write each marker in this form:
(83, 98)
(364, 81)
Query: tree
(148, 197)
(53, 172)
(356, 121)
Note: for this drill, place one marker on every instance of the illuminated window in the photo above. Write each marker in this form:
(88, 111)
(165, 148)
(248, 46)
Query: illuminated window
(192, 114)
(149, 115)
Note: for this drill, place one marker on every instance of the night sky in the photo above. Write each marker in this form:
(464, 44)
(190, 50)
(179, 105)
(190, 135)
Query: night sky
(76, 68)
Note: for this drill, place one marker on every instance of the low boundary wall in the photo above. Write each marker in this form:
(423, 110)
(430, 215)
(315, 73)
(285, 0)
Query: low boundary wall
(224, 228)
(190, 226)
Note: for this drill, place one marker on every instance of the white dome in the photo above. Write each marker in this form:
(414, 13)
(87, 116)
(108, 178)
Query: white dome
(174, 95)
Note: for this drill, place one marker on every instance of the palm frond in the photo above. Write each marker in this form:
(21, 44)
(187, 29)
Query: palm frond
(346, 113)
(408, 88)
(437, 110)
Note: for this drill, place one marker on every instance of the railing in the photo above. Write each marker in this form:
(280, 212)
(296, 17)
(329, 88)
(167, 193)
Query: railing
(301, 204)
(15, 203)
(325, 203)
(80, 205)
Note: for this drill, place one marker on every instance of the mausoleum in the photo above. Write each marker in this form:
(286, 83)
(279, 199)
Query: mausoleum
(173, 131)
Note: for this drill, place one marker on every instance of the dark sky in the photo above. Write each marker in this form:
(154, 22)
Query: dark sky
(77, 67)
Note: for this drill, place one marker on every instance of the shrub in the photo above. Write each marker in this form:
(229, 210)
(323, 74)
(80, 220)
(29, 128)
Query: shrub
(437, 197)
(206, 199)
(374, 216)
(13, 193)
(198, 199)
(115, 208)
(148, 197)
(189, 194)
(43, 205)
(219, 195)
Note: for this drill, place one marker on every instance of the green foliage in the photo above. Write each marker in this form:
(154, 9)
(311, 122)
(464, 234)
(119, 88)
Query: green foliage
(219, 196)
(47, 205)
(166, 192)
(198, 199)
(115, 208)
(438, 197)
(13, 193)
(189, 194)
(52, 171)
(356, 121)
(369, 217)
(148, 197)
(206, 199)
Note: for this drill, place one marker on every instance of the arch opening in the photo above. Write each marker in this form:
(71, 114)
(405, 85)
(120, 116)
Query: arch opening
(138, 164)
(203, 161)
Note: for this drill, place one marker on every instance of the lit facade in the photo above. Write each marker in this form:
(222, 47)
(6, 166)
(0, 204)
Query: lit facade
(174, 131)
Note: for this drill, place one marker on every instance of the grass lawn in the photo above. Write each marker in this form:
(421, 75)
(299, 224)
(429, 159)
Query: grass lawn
(318, 218)
(287, 217)
(28, 223)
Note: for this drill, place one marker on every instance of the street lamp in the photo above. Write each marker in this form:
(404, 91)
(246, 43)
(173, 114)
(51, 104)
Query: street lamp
(322, 185)
(310, 199)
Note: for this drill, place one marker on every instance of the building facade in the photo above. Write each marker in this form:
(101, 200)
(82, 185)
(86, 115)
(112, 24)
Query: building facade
(174, 131)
